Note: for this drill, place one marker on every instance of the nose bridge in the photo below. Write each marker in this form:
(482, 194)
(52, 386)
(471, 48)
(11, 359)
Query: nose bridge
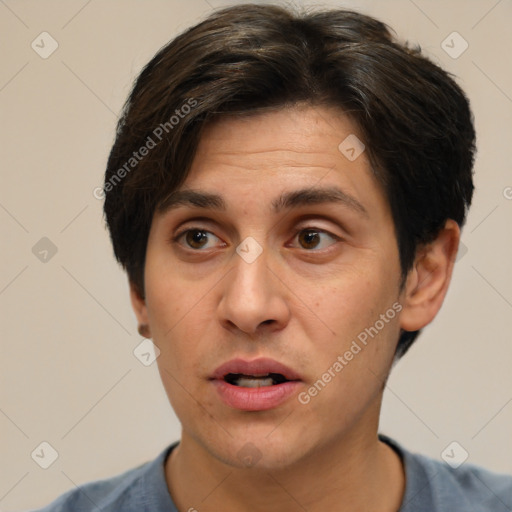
(251, 296)
(250, 274)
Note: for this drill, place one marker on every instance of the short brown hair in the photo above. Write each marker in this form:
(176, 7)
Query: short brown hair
(414, 119)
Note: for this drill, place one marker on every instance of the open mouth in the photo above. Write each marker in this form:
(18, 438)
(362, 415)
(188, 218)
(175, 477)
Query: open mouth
(255, 381)
(255, 385)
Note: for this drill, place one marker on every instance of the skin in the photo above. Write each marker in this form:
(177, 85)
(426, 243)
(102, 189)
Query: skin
(302, 302)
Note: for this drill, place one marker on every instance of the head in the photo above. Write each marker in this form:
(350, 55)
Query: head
(272, 118)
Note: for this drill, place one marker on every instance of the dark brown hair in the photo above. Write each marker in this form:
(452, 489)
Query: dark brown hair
(414, 119)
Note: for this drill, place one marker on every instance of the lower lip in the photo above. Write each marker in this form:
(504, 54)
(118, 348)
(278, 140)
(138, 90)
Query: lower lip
(255, 399)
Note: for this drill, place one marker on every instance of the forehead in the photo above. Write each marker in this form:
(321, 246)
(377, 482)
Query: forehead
(302, 134)
(284, 158)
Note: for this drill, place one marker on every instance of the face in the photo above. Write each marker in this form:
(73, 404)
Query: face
(294, 261)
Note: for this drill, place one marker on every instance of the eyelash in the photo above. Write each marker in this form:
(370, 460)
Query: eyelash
(180, 235)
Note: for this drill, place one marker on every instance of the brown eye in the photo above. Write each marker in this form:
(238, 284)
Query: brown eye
(196, 238)
(312, 238)
(309, 239)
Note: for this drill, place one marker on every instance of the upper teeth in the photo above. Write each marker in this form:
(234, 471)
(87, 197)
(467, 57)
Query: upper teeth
(253, 382)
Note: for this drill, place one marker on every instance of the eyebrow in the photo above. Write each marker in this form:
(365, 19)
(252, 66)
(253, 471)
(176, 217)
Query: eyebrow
(286, 201)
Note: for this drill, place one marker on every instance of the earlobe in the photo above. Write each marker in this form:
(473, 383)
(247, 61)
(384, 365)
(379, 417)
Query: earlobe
(140, 309)
(143, 330)
(428, 281)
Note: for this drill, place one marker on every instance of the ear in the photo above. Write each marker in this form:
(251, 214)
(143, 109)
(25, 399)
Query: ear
(140, 309)
(428, 280)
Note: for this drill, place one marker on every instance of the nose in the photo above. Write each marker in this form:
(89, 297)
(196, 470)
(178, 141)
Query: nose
(254, 297)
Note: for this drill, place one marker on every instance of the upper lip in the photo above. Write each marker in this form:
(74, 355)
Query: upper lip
(257, 367)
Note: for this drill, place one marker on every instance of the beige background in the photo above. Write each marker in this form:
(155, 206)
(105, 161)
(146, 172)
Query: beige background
(68, 373)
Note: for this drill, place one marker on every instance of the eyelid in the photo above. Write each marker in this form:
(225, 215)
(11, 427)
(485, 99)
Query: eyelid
(199, 223)
(195, 223)
(336, 229)
(175, 238)
(319, 230)
(334, 237)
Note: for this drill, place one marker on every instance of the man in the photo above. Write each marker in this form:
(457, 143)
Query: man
(286, 192)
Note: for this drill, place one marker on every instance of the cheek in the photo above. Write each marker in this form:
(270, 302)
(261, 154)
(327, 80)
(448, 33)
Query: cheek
(347, 303)
(181, 314)
(170, 298)
(350, 371)
(356, 310)
(179, 329)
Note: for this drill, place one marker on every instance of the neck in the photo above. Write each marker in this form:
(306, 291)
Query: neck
(353, 474)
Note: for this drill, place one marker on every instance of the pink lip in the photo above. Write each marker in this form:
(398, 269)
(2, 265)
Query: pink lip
(260, 366)
(255, 399)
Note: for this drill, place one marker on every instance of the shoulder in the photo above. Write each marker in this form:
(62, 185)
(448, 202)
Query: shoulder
(106, 495)
(467, 487)
(433, 485)
(127, 491)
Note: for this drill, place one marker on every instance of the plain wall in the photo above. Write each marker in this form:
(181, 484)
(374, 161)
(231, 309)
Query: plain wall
(68, 373)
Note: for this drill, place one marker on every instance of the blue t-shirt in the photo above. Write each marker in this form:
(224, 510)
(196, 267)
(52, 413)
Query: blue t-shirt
(430, 486)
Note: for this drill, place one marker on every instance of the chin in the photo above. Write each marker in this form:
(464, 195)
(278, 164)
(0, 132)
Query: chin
(266, 451)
